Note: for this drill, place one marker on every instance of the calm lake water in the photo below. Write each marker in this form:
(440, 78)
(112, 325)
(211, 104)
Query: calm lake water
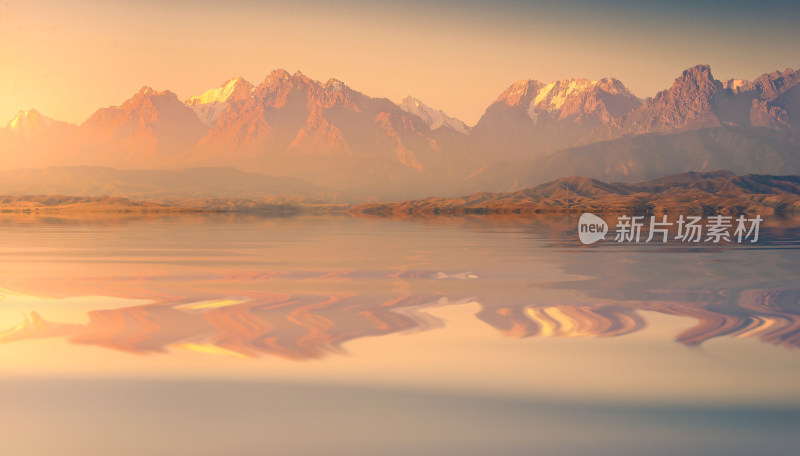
(209, 335)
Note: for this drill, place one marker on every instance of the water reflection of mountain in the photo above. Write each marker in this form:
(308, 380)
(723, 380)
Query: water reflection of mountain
(771, 315)
(311, 325)
(291, 326)
(311, 285)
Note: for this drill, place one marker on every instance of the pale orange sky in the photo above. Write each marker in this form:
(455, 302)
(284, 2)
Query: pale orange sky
(67, 60)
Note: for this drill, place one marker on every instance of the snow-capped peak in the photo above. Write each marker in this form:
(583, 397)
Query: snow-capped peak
(212, 102)
(222, 93)
(435, 118)
(29, 120)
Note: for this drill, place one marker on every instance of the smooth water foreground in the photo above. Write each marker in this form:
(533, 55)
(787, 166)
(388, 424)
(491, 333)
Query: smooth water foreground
(208, 335)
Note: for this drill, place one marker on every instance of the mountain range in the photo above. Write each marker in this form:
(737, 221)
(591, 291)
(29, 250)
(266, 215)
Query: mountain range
(343, 140)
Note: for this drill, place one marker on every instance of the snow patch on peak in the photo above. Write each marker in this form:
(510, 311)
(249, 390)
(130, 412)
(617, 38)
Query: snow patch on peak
(553, 95)
(552, 99)
(434, 118)
(561, 90)
(737, 85)
(558, 101)
(543, 93)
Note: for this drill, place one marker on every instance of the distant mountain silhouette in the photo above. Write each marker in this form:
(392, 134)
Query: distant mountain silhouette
(634, 158)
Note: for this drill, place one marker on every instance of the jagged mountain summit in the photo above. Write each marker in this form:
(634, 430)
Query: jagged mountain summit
(532, 118)
(150, 127)
(697, 100)
(687, 104)
(576, 100)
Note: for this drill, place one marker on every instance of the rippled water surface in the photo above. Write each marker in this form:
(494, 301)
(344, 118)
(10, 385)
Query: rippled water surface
(340, 335)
